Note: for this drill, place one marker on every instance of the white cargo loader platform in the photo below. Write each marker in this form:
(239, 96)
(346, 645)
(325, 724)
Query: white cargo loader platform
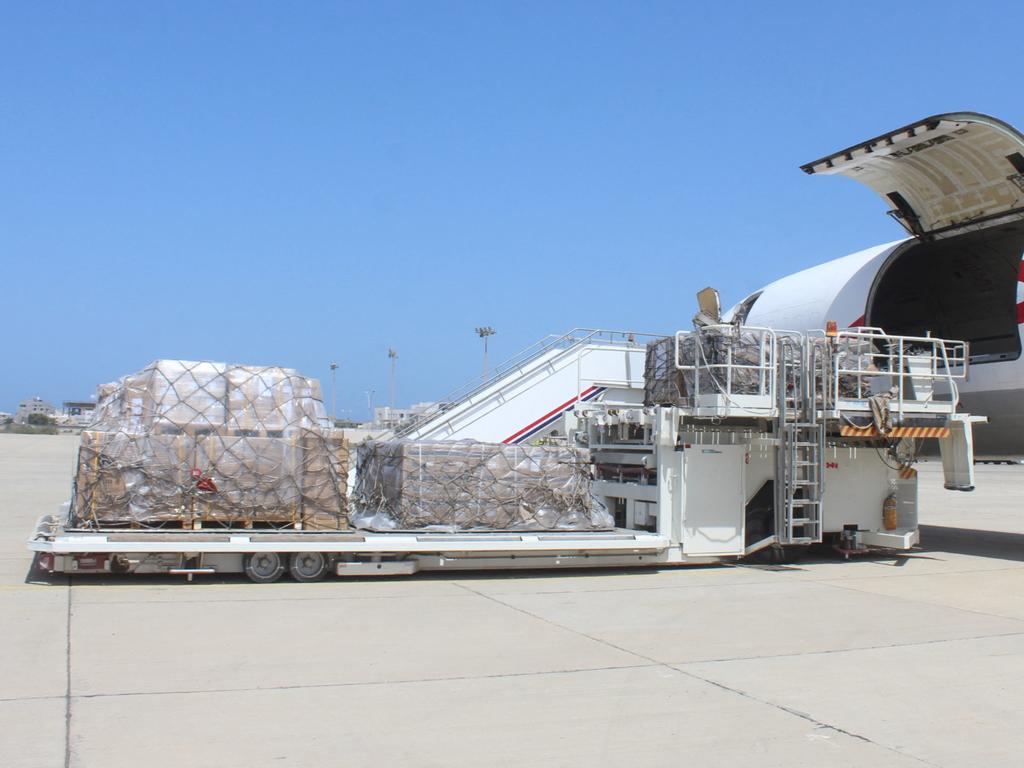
(776, 439)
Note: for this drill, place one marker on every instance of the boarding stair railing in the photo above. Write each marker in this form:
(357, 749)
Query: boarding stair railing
(520, 364)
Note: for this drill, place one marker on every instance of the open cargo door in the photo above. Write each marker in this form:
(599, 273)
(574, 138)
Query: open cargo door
(955, 182)
(943, 175)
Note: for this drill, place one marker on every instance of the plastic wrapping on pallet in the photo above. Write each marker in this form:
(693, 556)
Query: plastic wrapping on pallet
(471, 486)
(184, 443)
(716, 347)
(707, 348)
(855, 354)
(663, 382)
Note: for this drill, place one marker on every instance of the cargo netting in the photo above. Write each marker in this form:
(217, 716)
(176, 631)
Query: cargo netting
(663, 381)
(470, 486)
(665, 384)
(855, 354)
(200, 444)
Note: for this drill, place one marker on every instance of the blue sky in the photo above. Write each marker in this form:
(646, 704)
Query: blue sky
(292, 184)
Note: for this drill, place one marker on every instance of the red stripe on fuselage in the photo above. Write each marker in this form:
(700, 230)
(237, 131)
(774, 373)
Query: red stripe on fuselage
(548, 415)
(1020, 306)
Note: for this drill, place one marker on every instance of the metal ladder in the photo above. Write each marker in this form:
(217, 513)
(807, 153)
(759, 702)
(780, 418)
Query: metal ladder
(800, 460)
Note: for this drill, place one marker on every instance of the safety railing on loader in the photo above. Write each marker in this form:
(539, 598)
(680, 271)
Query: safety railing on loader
(913, 374)
(520, 362)
(731, 370)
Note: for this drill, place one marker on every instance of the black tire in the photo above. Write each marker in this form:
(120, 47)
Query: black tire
(776, 555)
(308, 566)
(793, 553)
(263, 567)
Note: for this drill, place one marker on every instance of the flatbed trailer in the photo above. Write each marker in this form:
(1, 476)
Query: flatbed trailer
(310, 555)
(780, 452)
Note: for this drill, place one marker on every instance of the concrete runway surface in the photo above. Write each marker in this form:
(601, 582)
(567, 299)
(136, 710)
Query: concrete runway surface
(882, 661)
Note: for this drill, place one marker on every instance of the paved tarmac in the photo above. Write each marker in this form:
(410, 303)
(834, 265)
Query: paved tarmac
(882, 661)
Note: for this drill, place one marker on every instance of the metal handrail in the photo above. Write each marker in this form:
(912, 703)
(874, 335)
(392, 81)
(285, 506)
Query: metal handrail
(887, 355)
(574, 338)
(905, 360)
(766, 366)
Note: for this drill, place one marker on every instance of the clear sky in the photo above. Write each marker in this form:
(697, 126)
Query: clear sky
(296, 183)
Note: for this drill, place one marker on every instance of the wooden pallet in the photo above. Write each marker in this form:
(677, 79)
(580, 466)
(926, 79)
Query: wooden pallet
(247, 524)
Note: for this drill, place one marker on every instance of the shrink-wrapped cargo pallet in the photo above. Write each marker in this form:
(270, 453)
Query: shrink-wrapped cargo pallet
(663, 381)
(856, 354)
(470, 486)
(708, 349)
(187, 444)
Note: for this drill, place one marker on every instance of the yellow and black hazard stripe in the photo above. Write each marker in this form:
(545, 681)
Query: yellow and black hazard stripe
(849, 431)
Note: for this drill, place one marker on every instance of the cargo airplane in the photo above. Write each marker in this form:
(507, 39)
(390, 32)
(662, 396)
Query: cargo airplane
(955, 182)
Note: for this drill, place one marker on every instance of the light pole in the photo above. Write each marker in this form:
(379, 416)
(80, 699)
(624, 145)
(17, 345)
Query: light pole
(483, 332)
(393, 355)
(334, 395)
(369, 403)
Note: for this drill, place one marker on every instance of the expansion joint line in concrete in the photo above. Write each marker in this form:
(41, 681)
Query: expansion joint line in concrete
(917, 601)
(804, 716)
(693, 676)
(67, 686)
(355, 684)
(857, 649)
(648, 659)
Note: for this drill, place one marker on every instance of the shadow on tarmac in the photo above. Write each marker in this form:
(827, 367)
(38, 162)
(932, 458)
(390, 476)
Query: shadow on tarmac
(1001, 545)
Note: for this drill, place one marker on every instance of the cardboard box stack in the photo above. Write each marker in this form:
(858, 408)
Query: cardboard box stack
(194, 443)
(470, 486)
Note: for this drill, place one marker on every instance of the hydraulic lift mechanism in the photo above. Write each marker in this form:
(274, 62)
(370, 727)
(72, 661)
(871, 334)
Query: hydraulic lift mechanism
(784, 439)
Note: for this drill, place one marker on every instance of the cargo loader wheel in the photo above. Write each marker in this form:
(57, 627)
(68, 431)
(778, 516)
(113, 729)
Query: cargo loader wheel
(263, 567)
(307, 566)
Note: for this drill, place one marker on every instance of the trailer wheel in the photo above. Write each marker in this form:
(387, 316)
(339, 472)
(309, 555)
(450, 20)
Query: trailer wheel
(307, 566)
(263, 567)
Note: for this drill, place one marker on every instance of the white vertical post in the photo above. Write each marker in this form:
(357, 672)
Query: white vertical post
(671, 483)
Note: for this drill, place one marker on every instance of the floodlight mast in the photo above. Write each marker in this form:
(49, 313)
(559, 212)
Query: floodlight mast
(334, 395)
(483, 332)
(393, 355)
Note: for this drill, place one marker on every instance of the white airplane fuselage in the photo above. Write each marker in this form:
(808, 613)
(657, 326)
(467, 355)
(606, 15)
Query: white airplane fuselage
(956, 182)
(842, 289)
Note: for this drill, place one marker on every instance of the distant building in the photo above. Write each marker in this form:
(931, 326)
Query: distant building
(5, 417)
(356, 435)
(76, 413)
(393, 418)
(31, 407)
